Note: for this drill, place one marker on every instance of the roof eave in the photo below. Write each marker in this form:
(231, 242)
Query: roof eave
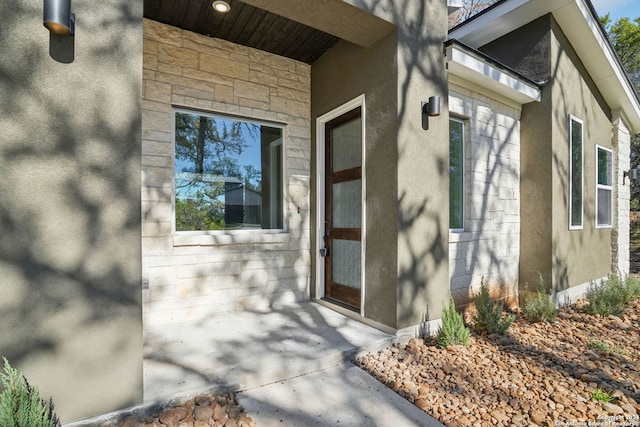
(585, 35)
(468, 65)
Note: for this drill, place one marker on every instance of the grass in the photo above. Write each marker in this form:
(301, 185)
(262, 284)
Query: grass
(602, 396)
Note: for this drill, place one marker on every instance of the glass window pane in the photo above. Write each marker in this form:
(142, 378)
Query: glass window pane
(228, 174)
(604, 167)
(347, 145)
(576, 173)
(456, 174)
(604, 206)
(346, 204)
(345, 263)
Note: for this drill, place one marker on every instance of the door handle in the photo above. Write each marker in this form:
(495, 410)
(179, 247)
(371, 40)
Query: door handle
(324, 252)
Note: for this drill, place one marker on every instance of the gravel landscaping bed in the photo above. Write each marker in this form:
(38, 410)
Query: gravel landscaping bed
(538, 374)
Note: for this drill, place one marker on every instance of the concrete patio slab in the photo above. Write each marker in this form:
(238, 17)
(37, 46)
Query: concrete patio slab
(236, 351)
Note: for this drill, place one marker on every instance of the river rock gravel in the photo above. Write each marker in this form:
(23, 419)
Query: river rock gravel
(542, 374)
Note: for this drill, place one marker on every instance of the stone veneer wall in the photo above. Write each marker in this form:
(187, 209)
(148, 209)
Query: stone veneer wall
(190, 275)
(489, 247)
(620, 236)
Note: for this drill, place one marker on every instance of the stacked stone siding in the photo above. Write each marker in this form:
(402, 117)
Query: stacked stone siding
(488, 248)
(620, 235)
(190, 275)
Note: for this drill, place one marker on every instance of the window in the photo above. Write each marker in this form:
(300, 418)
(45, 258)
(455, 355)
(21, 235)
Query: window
(228, 173)
(576, 180)
(603, 186)
(456, 174)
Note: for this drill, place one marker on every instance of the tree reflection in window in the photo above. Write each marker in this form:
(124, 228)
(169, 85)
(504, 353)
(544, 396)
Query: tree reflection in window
(228, 173)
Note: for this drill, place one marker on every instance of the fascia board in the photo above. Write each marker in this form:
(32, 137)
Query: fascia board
(583, 32)
(596, 53)
(474, 69)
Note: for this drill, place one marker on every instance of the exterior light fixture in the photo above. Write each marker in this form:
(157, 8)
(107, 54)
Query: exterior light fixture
(58, 17)
(221, 6)
(631, 173)
(430, 109)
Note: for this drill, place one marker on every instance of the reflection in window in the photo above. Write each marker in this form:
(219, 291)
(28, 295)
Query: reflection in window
(575, 173)
(228, 173)
(456, 175)
(603, 187)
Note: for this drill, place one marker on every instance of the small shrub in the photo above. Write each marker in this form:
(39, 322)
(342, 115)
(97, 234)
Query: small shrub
(612, 295)
(538, 306)
(452, 331)
(601, 395)
(488, 316)
(598, 345)
(20, 403)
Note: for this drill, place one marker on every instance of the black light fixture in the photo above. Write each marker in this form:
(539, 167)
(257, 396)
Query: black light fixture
(58, 17)
(430, 109)
(631, 173)
(221, 6)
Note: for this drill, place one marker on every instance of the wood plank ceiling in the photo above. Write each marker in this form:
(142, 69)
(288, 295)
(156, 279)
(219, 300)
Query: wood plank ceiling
(245, 25)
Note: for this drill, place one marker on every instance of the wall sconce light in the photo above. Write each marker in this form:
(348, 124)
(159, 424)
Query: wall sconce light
(58, 17)
(631, 173)
(430, 109)
(221, 6)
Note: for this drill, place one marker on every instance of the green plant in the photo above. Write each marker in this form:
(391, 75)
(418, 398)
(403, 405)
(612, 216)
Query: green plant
(452, 331)
(488, 316)
(603, 347)
(612, 295)
(538, 306)
(20, 403)
(601, 395)
(598, 345)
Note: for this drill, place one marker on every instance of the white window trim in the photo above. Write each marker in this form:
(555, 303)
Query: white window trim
(227, 237)
(571, 226)
(358, 101)
(464, 172)
(604, 187)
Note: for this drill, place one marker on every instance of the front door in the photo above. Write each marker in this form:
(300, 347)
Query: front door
(343, 209)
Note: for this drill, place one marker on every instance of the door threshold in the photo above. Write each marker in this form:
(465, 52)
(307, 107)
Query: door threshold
(348, 311)
(342, 304)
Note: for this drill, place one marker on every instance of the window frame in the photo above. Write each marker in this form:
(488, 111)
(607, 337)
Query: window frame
(599, 186)
(463, 177)
(571, 174)
(181, 235)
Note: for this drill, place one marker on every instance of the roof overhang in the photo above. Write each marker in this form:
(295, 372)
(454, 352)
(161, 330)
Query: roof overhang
(471, 65)
(584, 32)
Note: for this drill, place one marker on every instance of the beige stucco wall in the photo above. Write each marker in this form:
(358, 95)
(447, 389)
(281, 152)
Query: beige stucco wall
(566, 258)
(488, 249)
(407, 177)
(342, 74)
(194, 274)
(70, 311)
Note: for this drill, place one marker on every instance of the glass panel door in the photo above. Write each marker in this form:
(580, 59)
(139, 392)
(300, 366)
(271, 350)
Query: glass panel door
(343, 215)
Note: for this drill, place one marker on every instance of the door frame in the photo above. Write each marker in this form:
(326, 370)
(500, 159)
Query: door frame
(356, 102)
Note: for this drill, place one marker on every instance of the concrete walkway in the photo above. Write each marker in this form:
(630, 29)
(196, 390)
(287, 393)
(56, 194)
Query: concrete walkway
(290, 364)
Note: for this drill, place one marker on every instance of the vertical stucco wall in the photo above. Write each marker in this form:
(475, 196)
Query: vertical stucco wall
(407, 172)
(70, 311)
(565, 258)
(423, 158)
(343, 73)
(194, 274)
(488, 249)
(578, 255)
